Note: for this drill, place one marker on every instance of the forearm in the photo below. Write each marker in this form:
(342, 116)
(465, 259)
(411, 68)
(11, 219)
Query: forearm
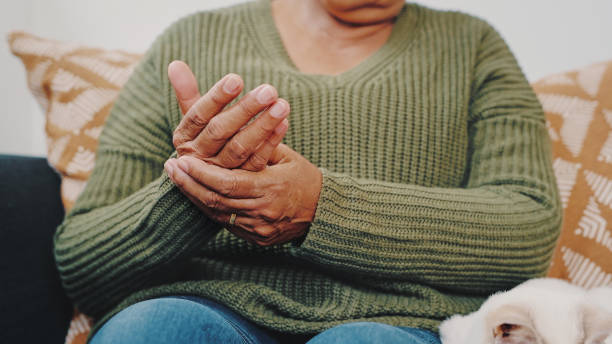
(473, 239)
(106, 250)
(494, 230)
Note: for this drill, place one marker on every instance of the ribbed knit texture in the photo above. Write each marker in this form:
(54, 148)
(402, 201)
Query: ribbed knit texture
(437, 188)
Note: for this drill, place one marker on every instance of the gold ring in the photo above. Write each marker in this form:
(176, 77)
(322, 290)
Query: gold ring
(232, 219)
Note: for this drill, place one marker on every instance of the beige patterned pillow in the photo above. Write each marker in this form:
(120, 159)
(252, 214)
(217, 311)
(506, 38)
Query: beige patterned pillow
(578, 108)
(76, 87)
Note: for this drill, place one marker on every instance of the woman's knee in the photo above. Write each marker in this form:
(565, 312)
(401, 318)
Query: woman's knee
(371, 332)
(168, 320)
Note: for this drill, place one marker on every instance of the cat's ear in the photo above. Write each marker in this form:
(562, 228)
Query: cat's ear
(511, 324)
(597, 324)
(514, 334)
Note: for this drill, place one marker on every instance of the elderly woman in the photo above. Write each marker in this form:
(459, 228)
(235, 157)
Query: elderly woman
(413, 181)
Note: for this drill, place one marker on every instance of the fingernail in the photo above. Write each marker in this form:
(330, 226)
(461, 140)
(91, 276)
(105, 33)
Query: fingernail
(232, 84)
(183, 165)
(265, 95)
(278, 110)
(281, 128)
(169, 168)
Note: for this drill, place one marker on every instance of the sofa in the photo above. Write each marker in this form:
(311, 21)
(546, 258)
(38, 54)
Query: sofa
(31, 290)
(35, 191)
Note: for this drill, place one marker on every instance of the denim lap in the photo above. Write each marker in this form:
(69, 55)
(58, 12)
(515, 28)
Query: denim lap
(187, 319)
(179, 319)
(374, 333)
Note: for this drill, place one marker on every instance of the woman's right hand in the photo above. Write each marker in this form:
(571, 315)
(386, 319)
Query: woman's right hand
(216, 135)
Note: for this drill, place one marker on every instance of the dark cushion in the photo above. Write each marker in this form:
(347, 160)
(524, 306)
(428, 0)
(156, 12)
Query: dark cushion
(34, 307)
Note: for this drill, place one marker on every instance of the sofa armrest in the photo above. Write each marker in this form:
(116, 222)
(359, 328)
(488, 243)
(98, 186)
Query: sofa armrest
(34, 306)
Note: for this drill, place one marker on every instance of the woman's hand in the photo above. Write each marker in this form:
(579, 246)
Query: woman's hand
(210, 133)
(273, 206)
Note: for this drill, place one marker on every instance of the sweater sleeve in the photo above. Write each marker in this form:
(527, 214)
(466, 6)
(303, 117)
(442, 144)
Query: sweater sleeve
(130, 222)
(496, 230)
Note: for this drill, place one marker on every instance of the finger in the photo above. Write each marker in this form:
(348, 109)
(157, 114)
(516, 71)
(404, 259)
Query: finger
(229, 183)
(248, 218)
(226, 124)
(245, 143)
(206, 107)
(204, 196)
(259, 159)
(243, 234)
(240, 225)
(184, 83)
(248, 232)
(214, 214)
(282, 152)
(266, 232)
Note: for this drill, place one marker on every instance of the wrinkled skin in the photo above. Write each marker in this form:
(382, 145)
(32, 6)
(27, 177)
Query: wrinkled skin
(226, 168)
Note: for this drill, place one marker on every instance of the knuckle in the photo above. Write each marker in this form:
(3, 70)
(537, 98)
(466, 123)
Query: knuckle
(195, 120)
(213, 201)
(248, 166)
(269, 123)
(178, 137)
(263, 129)
(215, 130)
(216, 96)
(229, 185)
(186, 148)
(212, 161)
(176, 141)
(225, 161)
(248, 105)
(258, 162)
(238, 151)
(270, 214)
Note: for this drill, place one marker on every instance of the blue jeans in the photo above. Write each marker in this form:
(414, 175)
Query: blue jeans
(187, 319)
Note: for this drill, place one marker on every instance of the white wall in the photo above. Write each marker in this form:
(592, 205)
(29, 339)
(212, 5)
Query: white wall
(547, 36)
(118, 24)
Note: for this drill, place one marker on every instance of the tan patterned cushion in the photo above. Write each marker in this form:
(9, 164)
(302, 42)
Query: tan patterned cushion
(578, 108)
(76, 87)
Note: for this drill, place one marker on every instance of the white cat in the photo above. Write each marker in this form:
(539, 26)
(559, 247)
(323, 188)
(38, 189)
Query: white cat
(539, 311)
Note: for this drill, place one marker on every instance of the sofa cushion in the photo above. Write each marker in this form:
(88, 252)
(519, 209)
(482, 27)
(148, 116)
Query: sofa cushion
(31, 290)
(578, 106)
(76, 86)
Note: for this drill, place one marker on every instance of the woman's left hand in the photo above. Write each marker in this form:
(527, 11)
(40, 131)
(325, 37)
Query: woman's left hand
(273, 206)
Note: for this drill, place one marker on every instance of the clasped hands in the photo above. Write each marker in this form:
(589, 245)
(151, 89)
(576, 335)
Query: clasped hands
(226, 165)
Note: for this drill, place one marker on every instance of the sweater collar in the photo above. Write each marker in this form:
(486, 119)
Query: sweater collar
(267, 42)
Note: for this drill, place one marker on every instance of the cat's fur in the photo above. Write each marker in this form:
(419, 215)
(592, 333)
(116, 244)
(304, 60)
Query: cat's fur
(539, 311)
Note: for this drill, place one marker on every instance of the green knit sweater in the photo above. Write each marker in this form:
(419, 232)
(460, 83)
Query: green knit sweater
(437, 181)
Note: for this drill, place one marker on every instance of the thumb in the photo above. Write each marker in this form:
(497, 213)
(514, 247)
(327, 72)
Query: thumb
(282, 153)
(184, 83)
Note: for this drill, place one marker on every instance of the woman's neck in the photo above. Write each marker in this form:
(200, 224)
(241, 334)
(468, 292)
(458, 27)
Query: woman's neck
(312, 14)
(319, 43)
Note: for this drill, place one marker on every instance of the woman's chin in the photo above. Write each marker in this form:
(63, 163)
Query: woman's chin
(363, 12)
